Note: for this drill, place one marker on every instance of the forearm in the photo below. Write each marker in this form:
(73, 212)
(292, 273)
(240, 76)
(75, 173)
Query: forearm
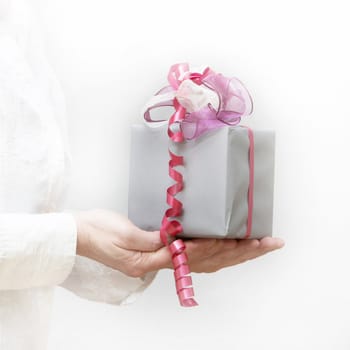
(36, 249)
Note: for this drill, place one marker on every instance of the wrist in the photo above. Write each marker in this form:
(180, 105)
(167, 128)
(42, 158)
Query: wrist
(82, 235)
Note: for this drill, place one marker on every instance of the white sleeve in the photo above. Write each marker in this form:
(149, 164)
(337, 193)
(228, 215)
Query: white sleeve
(36, 249)
(97, 282)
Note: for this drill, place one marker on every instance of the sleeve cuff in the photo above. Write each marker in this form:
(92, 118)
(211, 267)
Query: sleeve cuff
(145, 281)
(36, 249)
(96, 282)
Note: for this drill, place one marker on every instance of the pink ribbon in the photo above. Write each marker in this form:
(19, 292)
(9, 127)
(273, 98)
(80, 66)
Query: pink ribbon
(234, 102)
(170, 227)
(251, 183)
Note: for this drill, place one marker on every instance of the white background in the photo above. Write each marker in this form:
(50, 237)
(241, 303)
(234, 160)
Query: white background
(294, 58)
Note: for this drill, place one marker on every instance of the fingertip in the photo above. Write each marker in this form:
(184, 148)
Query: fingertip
(271, 243)
(156, 239)
(155, 234)
(279, 242)
(149, 232)
(151, 240)
(160, 259)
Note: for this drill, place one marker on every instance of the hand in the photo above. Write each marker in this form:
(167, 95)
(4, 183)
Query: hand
(210, 255)
(113, 240)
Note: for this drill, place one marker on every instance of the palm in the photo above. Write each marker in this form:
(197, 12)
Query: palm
(213, 255)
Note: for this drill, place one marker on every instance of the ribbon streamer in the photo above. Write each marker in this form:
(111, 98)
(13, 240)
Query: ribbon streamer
(170, 227)
(234, 102)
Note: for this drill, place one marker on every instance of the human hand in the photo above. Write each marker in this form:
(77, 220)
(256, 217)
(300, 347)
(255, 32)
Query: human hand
(113, 240)
(211, 255)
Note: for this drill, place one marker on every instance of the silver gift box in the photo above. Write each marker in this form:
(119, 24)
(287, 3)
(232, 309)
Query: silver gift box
(216, 181)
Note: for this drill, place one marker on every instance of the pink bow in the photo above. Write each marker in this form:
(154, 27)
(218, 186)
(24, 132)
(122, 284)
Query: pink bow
(234, 101)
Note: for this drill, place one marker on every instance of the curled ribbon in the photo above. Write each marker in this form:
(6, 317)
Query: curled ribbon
(234, 102)
(170, 227)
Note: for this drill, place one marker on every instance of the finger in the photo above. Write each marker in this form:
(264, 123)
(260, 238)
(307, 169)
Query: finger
(210, 254)
(243, 247)
(144, 241)
(230, 257)
(247, 246)
(196, 249)
(202, 248)
(265, 245)
(160, 259)
(271, 243)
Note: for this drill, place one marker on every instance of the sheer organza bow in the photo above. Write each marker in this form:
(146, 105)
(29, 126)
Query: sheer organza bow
(234, 101)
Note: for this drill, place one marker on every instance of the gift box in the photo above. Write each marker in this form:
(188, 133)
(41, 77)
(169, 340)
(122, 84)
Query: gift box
(216, 181)
(197, 173)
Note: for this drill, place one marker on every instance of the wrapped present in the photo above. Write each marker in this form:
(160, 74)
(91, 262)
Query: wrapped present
(216, 182)
(199, 173)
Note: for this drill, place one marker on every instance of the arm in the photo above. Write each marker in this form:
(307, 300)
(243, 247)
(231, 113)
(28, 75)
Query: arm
(39, 249)
(36, 249)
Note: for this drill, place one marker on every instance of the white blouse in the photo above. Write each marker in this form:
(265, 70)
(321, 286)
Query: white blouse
(37, 238)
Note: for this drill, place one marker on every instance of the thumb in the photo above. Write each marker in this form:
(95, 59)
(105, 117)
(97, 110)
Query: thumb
(154, 261)
(144, 241)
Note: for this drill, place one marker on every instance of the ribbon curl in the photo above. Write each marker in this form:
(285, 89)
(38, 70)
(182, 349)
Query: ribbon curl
(170, 227)
(234, 102)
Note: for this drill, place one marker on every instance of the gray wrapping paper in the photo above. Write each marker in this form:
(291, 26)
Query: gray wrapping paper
(216, 181)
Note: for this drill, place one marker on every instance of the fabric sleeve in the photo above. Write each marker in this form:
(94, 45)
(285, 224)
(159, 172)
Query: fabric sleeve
(36, 249)
(96, 282)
